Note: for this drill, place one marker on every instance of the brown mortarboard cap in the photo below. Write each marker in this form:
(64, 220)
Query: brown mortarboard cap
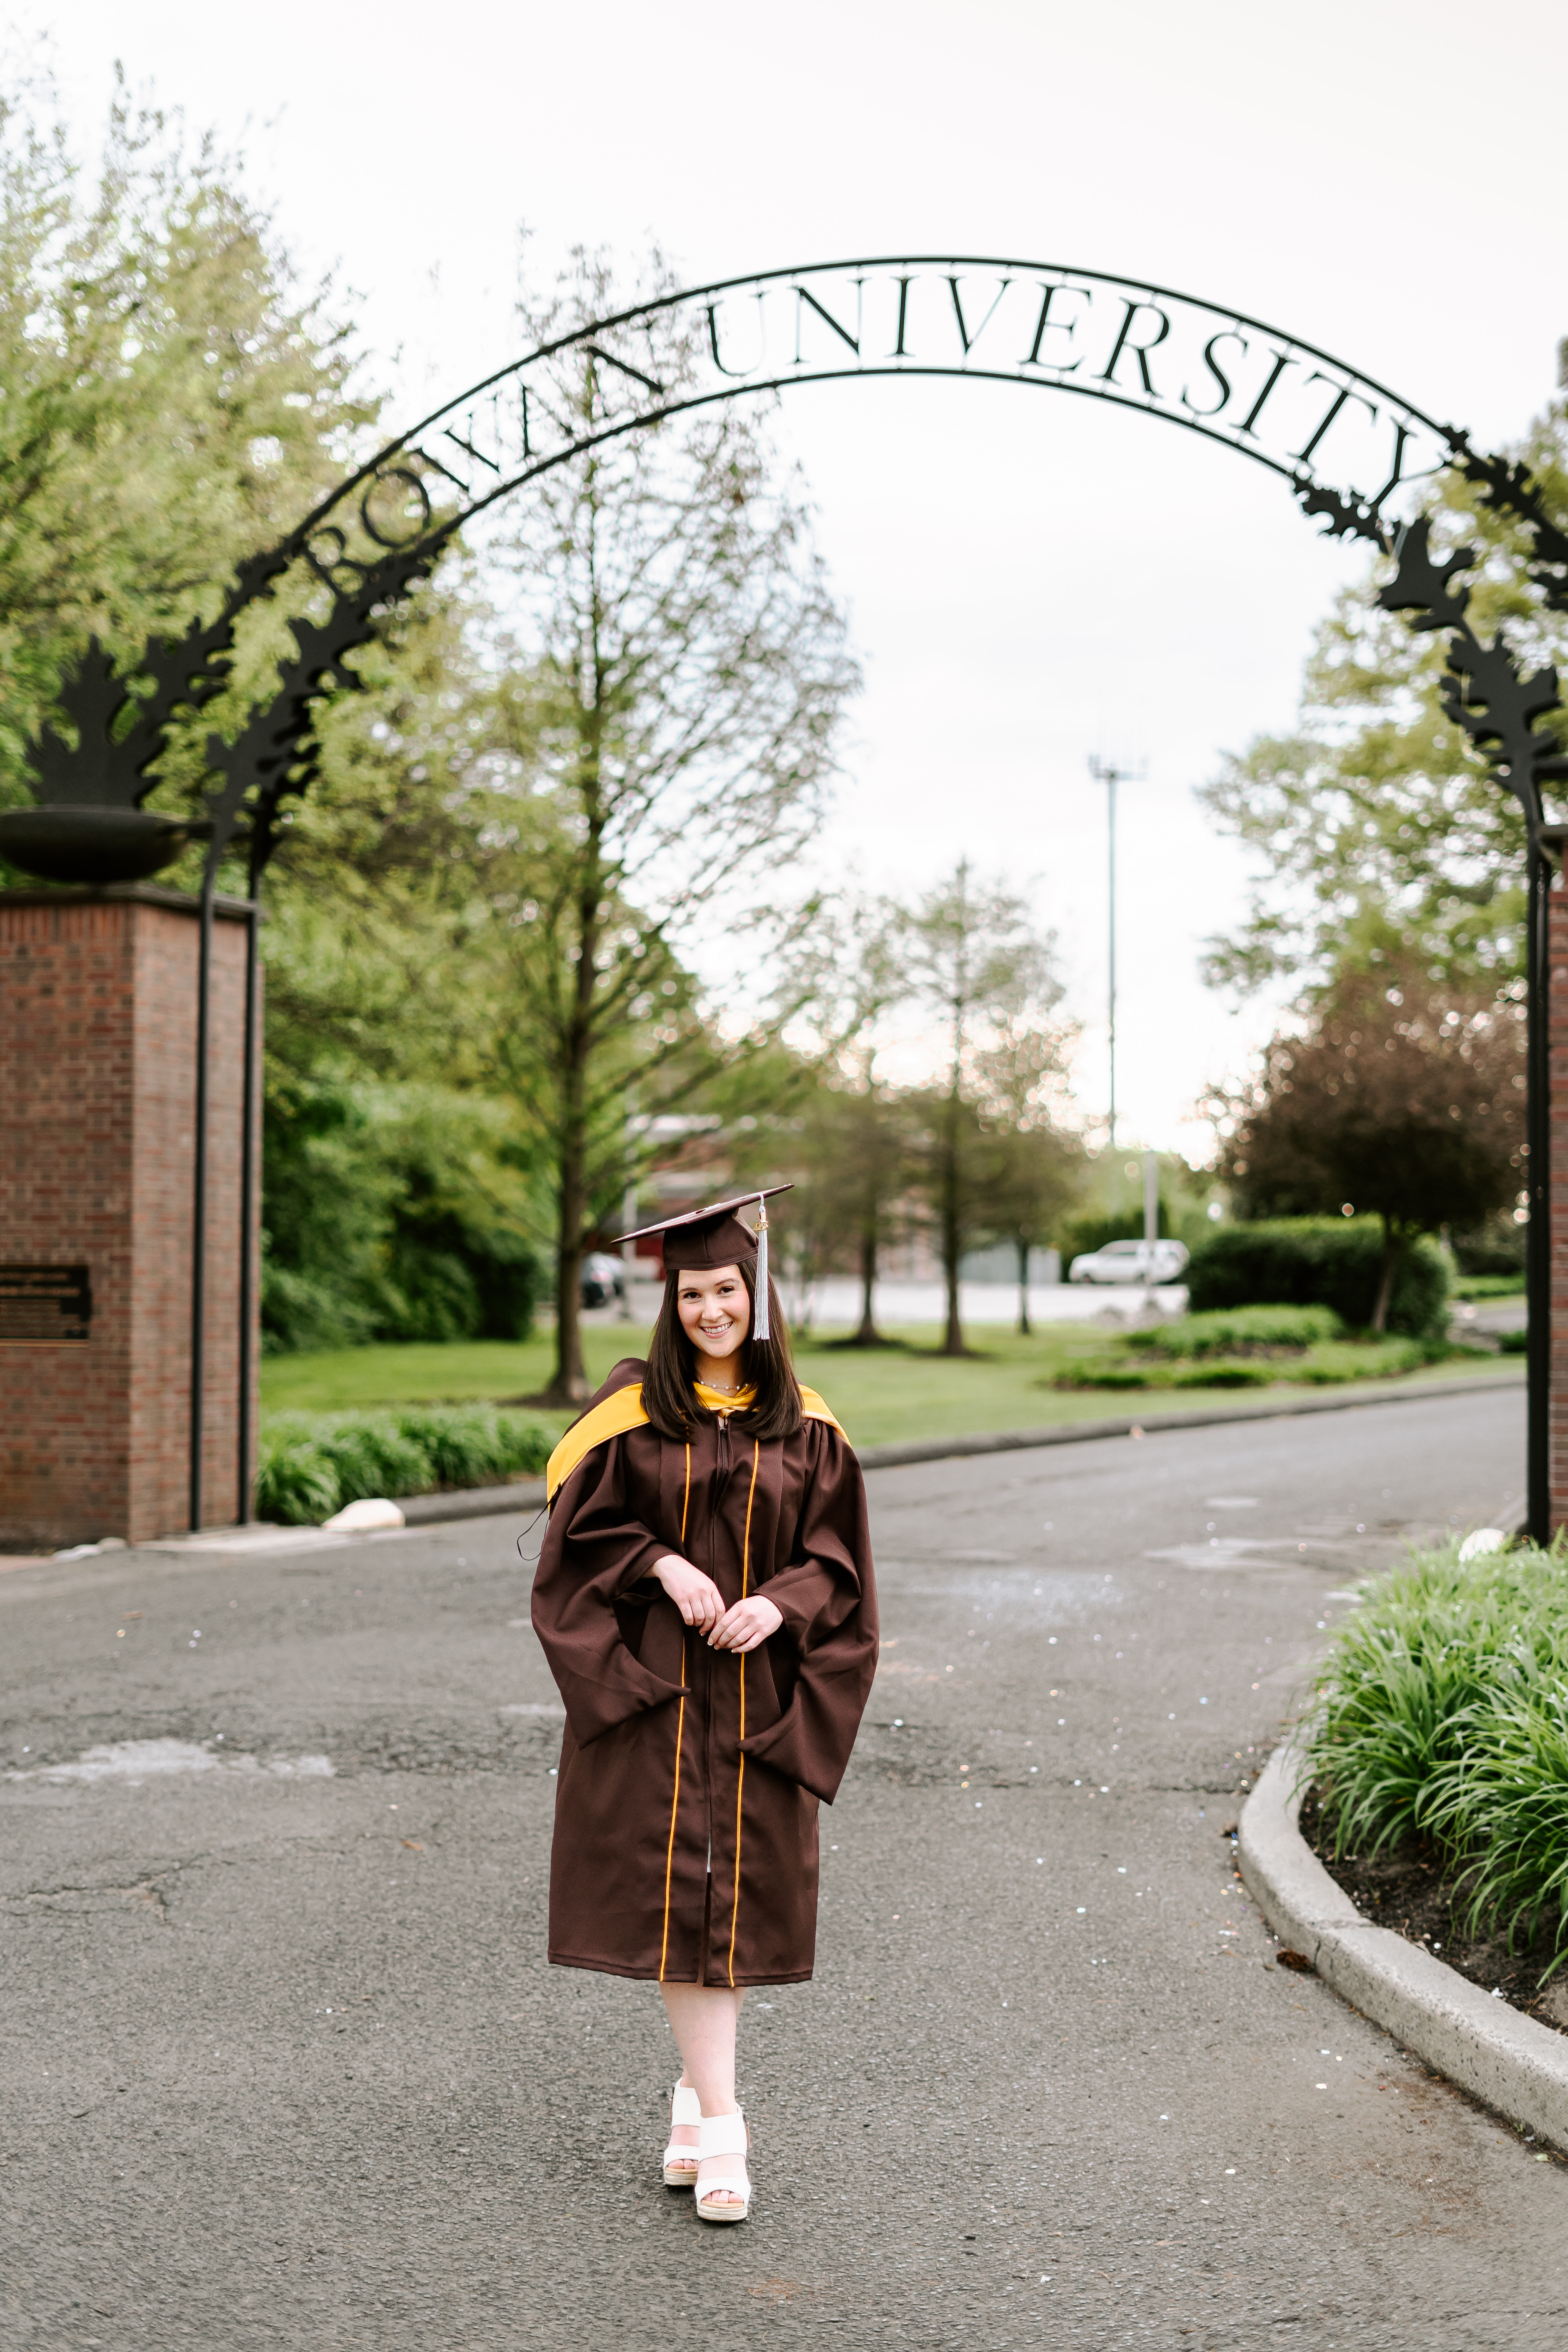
(711, 1236)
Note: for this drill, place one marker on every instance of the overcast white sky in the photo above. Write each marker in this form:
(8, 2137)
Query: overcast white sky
(1030, 580)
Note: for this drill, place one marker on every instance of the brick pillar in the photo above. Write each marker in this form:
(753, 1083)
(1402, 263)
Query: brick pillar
(1557, 971)
(98, 1028)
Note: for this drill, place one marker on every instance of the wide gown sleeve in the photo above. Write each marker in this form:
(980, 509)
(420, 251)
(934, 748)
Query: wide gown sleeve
(595, 1551)
(827, 1595)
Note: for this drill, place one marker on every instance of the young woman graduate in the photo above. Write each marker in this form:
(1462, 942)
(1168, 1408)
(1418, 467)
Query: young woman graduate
(705, 1598)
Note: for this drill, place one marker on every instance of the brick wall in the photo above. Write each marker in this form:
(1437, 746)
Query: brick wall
(98, 1018)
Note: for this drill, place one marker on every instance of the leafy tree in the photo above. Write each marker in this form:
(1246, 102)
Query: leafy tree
(972, 955)
(678, 671)
(1030, 1168)
(374, 898)
(387, 1215)
(1403, 1101)
(173, 397)
(856, 1144)
(326, 1212)
(380, 1123)
(842, 972)
(1378, 832)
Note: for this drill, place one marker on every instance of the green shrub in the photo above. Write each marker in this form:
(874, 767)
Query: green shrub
(1514, 1343)
(375, 1454)
(1365, 1360)
(468, 1444)
(295, 1481)
(309, 1464)
(1333, 1262)
(1444, 1714)
(1242, 1328)
(1325, 1364)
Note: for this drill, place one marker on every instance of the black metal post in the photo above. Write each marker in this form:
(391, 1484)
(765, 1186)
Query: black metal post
(248, 1204)
(199, 1195)
(1111, 778)
(1538, 1188)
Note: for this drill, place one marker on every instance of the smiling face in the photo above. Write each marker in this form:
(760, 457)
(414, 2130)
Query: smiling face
(715, 1308)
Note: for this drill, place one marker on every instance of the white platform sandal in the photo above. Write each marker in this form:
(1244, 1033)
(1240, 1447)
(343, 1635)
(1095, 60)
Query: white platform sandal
(680, 2162)
(724, 2135)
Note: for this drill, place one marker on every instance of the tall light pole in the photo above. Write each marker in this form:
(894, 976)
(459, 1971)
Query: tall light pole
(1107, 773)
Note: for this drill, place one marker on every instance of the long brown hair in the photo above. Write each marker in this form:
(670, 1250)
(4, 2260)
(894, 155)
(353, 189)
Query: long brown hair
(766, 1365)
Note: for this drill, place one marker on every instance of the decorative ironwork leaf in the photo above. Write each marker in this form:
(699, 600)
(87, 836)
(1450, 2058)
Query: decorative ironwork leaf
(1508, 487)
(1348, 516)
(1488, 697)
(109, 771)
(92, 776)
(275, 757)
(1421, 586)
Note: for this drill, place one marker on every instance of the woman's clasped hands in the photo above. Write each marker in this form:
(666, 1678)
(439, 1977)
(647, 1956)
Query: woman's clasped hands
(701, 1604)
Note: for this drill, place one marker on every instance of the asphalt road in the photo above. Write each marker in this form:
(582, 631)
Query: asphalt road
(284, 2064)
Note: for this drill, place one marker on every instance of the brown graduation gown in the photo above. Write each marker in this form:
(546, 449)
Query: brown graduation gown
(685, 1843)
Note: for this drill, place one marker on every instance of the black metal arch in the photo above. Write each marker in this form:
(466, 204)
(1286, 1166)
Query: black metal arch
(1219, 372)
(1148, 348)
(906, 316)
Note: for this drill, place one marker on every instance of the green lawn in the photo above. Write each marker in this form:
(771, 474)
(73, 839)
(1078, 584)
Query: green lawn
(881, 1397)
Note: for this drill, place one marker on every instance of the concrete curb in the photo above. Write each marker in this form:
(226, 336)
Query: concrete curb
(1077, 1432)
(471, 1503)
(1507, 2060)
(528, 1494)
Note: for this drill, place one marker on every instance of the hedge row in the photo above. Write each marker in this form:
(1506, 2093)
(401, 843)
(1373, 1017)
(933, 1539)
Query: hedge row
(1241, 1330)
(1334, 1262)
(1328, 1363)
(309, 1464)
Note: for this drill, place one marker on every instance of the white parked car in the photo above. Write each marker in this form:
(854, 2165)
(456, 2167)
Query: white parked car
(1144, 1262)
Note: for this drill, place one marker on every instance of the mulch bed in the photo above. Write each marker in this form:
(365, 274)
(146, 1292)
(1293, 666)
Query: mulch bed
(1407, 1887)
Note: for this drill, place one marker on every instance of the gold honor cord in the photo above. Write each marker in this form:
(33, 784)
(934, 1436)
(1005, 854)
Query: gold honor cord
(741, 1775)
(680, 1731)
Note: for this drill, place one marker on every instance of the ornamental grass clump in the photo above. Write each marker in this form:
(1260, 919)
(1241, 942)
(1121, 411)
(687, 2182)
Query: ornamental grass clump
(1443, 1715)
(467, 1444)
(295, 1481)
(309, 1464)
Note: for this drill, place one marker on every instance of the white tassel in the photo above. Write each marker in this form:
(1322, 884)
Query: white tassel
(760, 1327)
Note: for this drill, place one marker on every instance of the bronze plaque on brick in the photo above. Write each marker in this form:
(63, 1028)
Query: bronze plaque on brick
(44, 1305)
